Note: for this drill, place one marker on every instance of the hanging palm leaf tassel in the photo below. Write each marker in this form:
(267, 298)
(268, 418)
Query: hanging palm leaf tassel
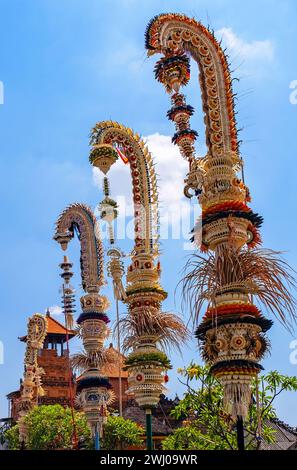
(237, 397)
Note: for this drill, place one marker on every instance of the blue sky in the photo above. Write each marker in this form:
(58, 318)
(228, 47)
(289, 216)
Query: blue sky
(69, 63)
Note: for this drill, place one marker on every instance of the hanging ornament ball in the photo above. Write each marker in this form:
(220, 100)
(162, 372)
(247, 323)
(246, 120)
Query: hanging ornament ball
(173, 72)
(103, 156)
(108, 209)
(166, 378)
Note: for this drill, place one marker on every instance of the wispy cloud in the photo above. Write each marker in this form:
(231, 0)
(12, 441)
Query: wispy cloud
(254, 54)
(129, 56)
(171, 169)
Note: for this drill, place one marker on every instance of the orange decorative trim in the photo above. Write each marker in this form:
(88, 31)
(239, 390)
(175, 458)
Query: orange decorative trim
(232, 309)
(229, 205)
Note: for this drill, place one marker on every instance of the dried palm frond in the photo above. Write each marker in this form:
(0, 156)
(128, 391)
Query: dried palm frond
(96, 359)
(259, 272)
(167, 327)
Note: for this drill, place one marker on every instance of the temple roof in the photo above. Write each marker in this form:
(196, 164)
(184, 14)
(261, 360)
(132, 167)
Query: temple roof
(54, 328)
(285, 436)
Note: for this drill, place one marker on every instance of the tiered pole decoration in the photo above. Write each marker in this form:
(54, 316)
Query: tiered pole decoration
(93, 389)
(32, 386)
(234, 269)
(146, 329)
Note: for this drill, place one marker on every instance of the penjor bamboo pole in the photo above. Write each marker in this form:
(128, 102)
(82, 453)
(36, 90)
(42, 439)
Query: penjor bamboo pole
(240, 433)
(120, 361)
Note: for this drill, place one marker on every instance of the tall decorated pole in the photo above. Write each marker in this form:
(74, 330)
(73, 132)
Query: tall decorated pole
(233, 270)
(146, 329)
(32, 385)
(93, 389)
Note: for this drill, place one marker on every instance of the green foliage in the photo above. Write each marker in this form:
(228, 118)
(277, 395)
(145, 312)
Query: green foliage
(191, 438)
(50, 427)
(158, 290)
(210, 426)
(120, 433)
(157, 356)
(12, 438)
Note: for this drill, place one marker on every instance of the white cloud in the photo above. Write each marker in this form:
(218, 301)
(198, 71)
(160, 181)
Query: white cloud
(171, 168)
(55, 310)
(251, 52)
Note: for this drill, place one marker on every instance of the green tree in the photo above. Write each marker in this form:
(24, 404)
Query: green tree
(11, 438)
(120, 433)
(50, 427)
(209, 426)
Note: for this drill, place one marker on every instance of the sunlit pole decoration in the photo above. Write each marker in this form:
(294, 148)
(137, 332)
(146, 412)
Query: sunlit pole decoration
(32, 384)
(146, 329)
(93, 389)
(234, 270)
